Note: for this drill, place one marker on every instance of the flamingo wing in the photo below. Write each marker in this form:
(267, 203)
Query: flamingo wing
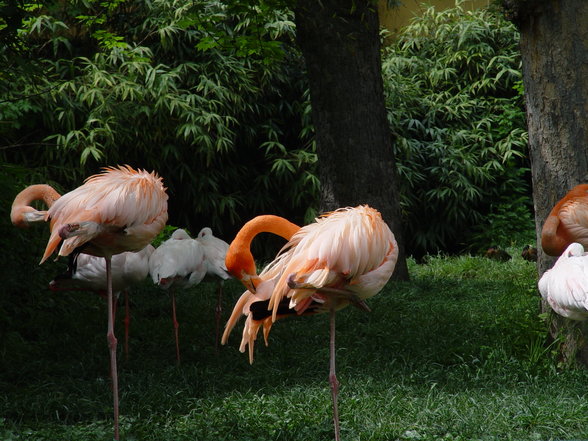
(574, 218)
(351, 249)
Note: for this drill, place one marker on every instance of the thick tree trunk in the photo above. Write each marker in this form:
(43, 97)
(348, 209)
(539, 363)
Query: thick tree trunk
(555, 69)
(341, 46)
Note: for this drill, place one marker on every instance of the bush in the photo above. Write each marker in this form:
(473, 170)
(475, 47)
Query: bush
(209, 94)
(452, 83)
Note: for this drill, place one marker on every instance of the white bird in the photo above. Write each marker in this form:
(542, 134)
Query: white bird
(215, 250)
(88, 273)
(565, 286)
(177, 263)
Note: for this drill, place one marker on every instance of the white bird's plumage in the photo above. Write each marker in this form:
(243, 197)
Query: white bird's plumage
(215, 250)
(565, 286)
(128, 269)
(178, 261)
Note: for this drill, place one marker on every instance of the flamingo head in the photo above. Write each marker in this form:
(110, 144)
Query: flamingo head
(23, 217)
(242, 267)
(574, 250)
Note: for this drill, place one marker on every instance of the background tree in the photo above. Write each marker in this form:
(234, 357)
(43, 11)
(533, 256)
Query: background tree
(341, 46)
(555, 68)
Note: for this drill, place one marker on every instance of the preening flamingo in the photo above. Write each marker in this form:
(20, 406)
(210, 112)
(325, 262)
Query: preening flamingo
(565, 286)
(343, 258)
(215, 251)
(567, 222)
(239, 260)
(88, 273)
(118, 210)
(22, 214)
(177, 263)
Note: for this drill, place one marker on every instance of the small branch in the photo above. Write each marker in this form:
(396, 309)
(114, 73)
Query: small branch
(11, 146)
(21, 97)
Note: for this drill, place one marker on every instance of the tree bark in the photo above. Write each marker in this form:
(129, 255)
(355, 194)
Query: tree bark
(555, 68)
(341, 47)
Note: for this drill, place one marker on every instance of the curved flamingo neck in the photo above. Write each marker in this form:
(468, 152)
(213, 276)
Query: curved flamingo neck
(554, 235)
(239, 260)
(553, 242)
(22, 213)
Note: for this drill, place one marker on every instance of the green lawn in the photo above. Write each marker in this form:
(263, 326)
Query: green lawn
(457, 353)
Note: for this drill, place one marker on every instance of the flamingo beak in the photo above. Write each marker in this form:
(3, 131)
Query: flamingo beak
(251, 282)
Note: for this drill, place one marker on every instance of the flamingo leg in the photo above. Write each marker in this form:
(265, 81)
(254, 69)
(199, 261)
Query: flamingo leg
(114, 308)
(112, 344)
(127, 325)
(176, 324)
(217, 313)
(332, 376)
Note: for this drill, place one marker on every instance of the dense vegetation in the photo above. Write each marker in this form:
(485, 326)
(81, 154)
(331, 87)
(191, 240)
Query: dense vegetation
(210, 95)
(453, 87)
(213, 96)
(458, 353)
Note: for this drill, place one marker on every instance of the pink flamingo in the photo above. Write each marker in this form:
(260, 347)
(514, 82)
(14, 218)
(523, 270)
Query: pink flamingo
(567, 222)
(345, 257)
(118, 210)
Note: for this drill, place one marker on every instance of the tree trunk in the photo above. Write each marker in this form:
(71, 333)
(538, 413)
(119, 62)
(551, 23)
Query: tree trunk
(555, 68)
(341, 47)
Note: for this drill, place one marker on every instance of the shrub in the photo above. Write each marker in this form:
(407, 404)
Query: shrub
(452, 83)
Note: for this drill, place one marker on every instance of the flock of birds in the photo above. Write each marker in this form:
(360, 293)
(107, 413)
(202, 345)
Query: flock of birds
(106, 227)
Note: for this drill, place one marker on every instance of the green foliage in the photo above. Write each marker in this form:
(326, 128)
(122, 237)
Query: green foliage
(452, 85)
(508, 223)
(164, 235)
(210, 95)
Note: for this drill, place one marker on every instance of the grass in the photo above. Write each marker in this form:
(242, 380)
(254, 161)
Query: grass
(457, 353)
